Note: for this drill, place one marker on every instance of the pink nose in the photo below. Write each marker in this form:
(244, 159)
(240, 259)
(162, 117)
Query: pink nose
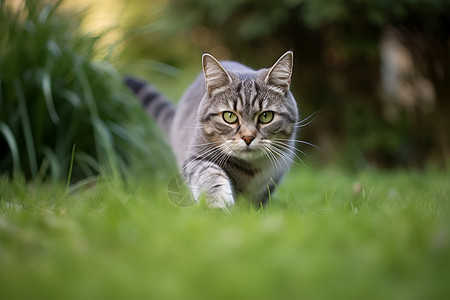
(248, 139)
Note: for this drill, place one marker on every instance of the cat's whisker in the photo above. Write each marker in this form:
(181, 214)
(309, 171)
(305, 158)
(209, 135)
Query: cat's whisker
(195, 161)
(225, 156)
(275, 160)
(280, 160)
(289, 147)
(304, 125)
(222, 151)
(215, 153)
(292, 150)
(273, 156)
(195, 127)
(270, 157)
(301, 142)
(282, 155)
(219, 155)
(307, 118)
(205, 144)
(222, 155)
(205, 152)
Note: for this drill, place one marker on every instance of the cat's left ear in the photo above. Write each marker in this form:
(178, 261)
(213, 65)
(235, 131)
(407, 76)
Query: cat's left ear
(278, 78)
(217, 79)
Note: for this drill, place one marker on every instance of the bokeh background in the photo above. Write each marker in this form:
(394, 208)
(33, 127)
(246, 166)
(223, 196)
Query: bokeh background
(377, 72)
(374, 76)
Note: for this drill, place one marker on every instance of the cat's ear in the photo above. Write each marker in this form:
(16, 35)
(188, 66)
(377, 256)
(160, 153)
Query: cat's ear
(217, 78)
(278, 78)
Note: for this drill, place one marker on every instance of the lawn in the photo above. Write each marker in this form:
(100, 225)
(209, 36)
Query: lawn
(326, 234)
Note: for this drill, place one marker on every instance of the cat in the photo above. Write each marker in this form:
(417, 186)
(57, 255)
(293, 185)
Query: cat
(233, 130)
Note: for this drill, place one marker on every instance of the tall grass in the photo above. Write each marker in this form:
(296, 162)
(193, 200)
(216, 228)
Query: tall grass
(55, 95)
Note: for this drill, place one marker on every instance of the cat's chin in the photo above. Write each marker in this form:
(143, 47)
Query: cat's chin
(249, 154)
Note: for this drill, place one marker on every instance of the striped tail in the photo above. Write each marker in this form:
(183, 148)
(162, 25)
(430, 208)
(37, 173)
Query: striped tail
(158, 106)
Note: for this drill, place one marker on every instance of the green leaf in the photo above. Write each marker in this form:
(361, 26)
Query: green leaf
(26, 126)
(47, 89)
(12, 144)
(55, 163)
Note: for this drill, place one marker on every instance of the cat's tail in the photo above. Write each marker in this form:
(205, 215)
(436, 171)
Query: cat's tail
(158, 106)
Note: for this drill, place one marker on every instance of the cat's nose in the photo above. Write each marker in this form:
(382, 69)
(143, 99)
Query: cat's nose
(248, 139)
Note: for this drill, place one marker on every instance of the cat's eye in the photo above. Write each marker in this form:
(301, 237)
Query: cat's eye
(265, 117)
(229, 117)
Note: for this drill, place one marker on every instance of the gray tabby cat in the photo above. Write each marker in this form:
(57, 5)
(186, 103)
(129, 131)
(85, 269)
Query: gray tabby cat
(233, 130)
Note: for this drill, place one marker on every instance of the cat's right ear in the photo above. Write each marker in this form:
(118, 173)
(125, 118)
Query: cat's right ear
(279, 77)
(217, 79)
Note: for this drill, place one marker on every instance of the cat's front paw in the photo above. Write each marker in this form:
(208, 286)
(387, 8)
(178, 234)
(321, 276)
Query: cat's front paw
(221, 200)
(210, 181)
(219, 196)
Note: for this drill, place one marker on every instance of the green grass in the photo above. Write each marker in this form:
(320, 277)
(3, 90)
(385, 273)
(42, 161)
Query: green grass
(327, 234)
(57, 92)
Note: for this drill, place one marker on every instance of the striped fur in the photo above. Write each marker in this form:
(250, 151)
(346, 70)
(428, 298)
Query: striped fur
(158, 106)
(223, 160)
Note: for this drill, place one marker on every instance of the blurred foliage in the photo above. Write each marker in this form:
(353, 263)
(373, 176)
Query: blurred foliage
(337, 64)
(57, 95)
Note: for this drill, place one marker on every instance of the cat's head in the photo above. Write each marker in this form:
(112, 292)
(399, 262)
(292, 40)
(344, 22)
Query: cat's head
(248, 114)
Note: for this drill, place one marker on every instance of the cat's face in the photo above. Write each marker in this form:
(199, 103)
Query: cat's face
(249, 115)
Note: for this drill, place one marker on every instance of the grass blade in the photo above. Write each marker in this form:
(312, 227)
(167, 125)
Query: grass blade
(88, 164)
(12, 144)
(72, 98)
(87, 91)
(47, 90)
(70, 167)
(105, 142)
(26, 127)
(55, 163)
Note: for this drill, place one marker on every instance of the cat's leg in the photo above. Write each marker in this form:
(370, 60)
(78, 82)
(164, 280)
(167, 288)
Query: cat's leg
(208, 179)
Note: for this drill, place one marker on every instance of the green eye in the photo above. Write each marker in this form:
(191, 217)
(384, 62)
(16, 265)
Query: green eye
(229, 117)
(266, 117)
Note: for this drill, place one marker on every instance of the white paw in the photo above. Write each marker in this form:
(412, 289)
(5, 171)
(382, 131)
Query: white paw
(220, 199)
(214, 185)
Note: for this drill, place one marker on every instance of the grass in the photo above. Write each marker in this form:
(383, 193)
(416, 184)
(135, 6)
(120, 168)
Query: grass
(327, 234)
(57, 92)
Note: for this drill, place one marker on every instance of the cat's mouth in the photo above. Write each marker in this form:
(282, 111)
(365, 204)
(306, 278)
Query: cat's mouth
(248, 153)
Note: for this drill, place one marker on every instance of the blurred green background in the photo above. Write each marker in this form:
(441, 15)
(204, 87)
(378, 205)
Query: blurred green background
(375, 74)
(376, 71)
